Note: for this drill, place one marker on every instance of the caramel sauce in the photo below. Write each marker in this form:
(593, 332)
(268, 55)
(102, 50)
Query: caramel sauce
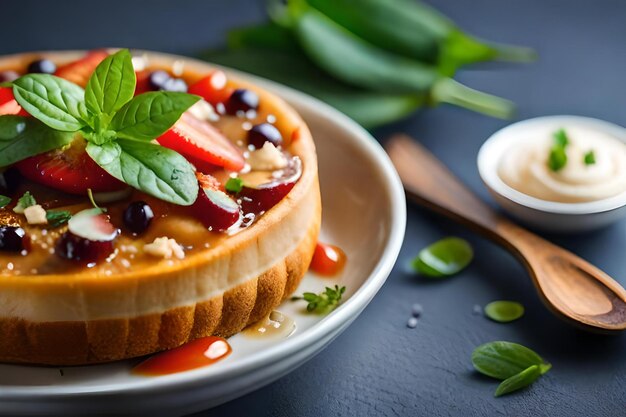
(196, 354)
(328, 260)
(276, 324)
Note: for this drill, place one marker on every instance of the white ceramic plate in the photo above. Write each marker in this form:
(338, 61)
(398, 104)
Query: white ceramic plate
(363, 213)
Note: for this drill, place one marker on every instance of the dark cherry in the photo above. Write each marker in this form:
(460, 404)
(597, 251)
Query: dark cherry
(265, 132)
(157, 79)
(177, 85)
(242, 100)
(13, 239)
(79, 249)
(42, 66)
(10, 181)
(8, 76)
(138, 216)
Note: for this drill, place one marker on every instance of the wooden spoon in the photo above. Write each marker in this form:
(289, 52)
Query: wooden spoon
(571, 287)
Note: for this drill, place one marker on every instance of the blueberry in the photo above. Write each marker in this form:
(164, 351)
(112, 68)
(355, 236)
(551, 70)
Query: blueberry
(42, 66)
(9, 181)
(175, 84)
(265, 132)
(138, 216)
(157, 80)
(242, 100)
(8, 76)
(13, 239)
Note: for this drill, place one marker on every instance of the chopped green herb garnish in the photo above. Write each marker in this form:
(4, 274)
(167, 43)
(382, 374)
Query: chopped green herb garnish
(323, 302)
(25, 201)
(57, 218)
(504, 311)
(560, 138)
(590, 158)
(514, 364)
(558, 157)
(4, 201)
(234, 185)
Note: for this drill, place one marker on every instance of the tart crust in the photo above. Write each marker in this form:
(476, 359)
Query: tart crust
(86, 318)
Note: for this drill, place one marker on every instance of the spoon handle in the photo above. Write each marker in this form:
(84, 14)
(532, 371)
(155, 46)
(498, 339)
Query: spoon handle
(432, 184)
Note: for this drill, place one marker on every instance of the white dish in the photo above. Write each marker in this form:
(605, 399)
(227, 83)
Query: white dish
(548, 215)
(353, 168)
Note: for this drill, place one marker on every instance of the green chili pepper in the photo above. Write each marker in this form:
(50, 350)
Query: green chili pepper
(370, 109)
(415, 30)
(353, 60)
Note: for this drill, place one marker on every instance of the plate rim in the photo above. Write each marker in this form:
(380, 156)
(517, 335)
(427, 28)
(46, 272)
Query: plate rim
(345, 312)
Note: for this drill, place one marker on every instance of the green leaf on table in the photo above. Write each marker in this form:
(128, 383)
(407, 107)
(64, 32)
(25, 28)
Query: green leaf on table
(153, 169)
(22, 137)
(149, 115)
(502, 360)
(504, 311)
(4, 201)
(56, 102)
(590, 158)
(112, 84)
(443, 258)
(519, 381)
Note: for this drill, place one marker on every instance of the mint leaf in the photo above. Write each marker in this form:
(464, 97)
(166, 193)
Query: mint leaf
(590, 158)
(149, 115)
(557, 158)
(21, 137)
(560, 138)
(234, 185)
(57, 218)
(502, 360)
(153, 169)
(519, 381)
(4, 201)
(25, 201)
(53, 100)
(111, 85)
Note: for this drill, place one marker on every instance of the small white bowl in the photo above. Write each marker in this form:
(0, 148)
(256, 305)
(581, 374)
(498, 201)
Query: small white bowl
(548, 215)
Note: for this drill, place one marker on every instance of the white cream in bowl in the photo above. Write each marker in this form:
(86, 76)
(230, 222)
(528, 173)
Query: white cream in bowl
(595, 167)
(579, 195)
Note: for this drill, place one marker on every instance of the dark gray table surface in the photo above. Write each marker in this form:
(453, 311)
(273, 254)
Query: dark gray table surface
(378, 366)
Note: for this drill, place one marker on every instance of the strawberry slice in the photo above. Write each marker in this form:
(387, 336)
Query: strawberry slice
(70, 170)
(8, 104)
(213, 88)
(143, 82)
(198, 139)
(79, 71)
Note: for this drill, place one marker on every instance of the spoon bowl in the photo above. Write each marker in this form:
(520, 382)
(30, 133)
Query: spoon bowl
(569, 286)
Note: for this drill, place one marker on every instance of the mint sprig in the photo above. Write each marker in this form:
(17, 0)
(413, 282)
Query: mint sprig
(117, 125)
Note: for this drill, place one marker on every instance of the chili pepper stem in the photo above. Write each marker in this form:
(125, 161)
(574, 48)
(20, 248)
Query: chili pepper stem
(513, 53)
(447, 90)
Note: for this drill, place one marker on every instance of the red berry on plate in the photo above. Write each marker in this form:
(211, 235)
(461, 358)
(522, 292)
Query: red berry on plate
(89, 237)
(199, 139)
(215, 209)
(70, 170)
(212, 88)
(257, 198)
